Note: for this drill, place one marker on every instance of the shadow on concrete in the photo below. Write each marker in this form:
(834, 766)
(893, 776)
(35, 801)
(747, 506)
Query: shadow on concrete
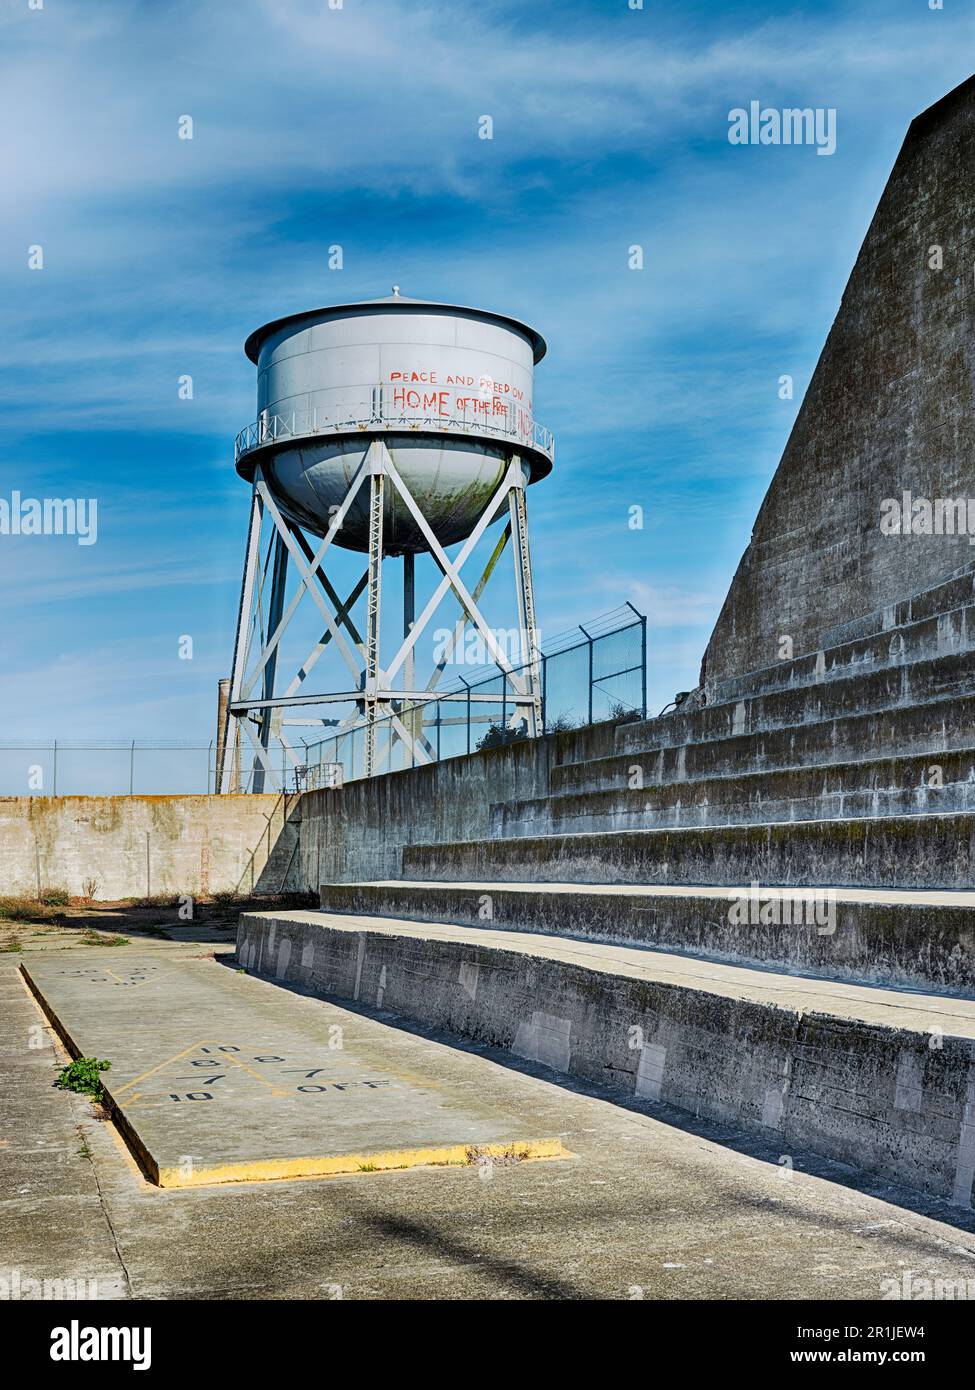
(215, 920)
(273, 864)
(430, 1240)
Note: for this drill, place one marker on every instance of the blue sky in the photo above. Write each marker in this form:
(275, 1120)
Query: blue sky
(358, 126)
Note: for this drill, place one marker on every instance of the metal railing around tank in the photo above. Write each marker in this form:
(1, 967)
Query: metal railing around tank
(392, 405)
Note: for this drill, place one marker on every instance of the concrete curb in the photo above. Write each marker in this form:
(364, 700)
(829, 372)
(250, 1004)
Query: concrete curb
(898, 1101)
(922, 941)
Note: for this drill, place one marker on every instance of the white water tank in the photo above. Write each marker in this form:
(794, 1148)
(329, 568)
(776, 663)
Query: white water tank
(449, 389)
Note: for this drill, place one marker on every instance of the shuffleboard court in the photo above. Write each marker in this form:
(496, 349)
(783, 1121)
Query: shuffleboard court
(218, 1077)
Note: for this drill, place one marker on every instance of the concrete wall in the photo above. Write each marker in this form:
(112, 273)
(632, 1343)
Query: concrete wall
(360, 831)
(135, 846)
(891, 407)
(212, 844)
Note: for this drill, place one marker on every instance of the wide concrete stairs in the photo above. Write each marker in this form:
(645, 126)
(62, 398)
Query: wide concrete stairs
(760, 910)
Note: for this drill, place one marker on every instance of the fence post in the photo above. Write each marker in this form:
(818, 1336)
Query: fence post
(132, 768)
(468, 689)
(589, 640)
(642, 620)
(55, 789)
(544, 688)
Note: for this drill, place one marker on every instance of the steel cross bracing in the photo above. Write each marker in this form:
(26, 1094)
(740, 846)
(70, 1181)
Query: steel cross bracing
(259, 706)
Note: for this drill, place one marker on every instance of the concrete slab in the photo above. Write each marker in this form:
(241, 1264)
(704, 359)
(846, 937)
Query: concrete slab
(214, 1079)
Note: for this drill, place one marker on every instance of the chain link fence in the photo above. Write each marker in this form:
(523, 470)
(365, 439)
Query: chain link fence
(594, 672)
(79, 767)
(588, 674)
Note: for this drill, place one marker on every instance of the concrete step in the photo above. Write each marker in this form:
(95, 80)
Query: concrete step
(957, 590)
(878, 787)
(939, 634)
(894, 851)
(923, 940)
(867, 691)
(915, 639)
(878, 1078)
(937, 726)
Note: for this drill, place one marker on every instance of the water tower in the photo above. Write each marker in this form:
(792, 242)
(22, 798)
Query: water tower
(390, 428)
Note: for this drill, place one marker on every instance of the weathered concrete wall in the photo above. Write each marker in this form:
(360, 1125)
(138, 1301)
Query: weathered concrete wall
(891, 407)
(136, 846)
(896, 851)
(211, 844)
(360, 831)
(927, 945)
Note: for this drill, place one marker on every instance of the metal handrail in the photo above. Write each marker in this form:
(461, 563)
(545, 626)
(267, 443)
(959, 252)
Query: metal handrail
(391, 405)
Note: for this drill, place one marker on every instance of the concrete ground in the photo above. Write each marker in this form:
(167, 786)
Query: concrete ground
(648, 1205)
(215, 1078)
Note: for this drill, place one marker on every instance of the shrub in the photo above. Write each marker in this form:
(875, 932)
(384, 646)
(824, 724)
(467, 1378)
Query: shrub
(54, 897)
(500, 734)
(24, 909)
(82, 1075)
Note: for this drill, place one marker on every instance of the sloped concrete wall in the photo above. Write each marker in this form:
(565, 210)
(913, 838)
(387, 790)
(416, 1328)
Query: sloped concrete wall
(891, 408)
(137, 846)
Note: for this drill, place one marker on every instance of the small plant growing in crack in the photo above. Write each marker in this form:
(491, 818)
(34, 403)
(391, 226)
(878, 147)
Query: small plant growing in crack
(82, 1075)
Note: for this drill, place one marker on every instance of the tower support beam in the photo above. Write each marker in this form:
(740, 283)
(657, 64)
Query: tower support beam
(383, 697)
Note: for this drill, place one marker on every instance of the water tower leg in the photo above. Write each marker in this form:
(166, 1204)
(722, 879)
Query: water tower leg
(525, 591)
(409, 614)
(279, 578)
(413, 717)
(374, 607)
(251, 566)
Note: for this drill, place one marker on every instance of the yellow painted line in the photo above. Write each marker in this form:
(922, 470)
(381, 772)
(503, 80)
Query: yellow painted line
(58, 1045)
(335, 1165)
(275, 1090)
(152, 1070)
(105, 971)
(224, 1057)
(67, 1040)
